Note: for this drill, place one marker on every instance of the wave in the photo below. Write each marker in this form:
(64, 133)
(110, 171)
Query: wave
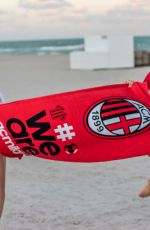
(41, 47)
(61, 48)
(7, 50)
(41, 50)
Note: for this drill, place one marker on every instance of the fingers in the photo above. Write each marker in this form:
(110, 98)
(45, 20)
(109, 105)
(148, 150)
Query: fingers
(129, 82)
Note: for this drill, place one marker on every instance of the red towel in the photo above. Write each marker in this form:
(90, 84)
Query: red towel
(91, 125)
(147, 79)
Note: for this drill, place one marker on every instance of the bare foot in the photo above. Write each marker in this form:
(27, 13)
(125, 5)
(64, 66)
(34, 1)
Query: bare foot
(146, 191)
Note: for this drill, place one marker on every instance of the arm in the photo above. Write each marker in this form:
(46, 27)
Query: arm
(2, 182)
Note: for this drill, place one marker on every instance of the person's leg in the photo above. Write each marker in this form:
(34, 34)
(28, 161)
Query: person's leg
(2, 182)
(146, 191)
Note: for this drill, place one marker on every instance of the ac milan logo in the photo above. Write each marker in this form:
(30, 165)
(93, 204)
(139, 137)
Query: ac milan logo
(117, 118)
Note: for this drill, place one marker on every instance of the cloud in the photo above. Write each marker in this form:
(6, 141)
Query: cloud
(5, 16)
(5, 13)
(43, 4)
(136, 10)
(50, 18)
(75, 14)
(131, 17)
(139, 4)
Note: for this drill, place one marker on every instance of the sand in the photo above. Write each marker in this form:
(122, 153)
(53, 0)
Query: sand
(51, 195)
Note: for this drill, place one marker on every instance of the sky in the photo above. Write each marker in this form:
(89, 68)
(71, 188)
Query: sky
(43, 19)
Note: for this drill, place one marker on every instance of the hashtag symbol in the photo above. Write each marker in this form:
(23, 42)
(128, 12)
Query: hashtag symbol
(64, 132)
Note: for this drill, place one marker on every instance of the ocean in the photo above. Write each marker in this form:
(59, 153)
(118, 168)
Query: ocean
(41, 47)
(57, 46)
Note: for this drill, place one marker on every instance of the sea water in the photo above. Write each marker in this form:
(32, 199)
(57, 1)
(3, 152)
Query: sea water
(142, 43)
(41, 47)
(57, 46)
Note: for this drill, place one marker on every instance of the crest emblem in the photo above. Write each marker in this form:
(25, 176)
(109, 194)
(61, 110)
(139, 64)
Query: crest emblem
(117, 117)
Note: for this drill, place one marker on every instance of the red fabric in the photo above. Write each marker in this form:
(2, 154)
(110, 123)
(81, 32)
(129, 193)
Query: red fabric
(147, 79)
(92, 125)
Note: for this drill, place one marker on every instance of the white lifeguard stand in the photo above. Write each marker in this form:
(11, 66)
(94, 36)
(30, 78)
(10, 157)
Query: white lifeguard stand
(104, 52)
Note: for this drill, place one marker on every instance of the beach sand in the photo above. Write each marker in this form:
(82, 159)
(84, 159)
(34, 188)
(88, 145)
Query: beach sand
(52, 195)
